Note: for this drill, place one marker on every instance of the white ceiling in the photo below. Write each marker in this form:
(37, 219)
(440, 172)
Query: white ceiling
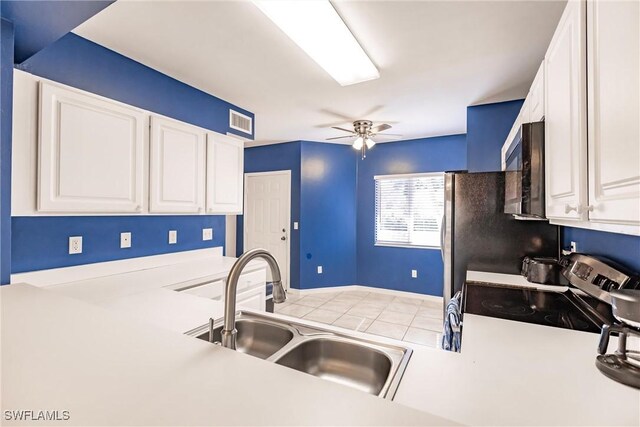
(434, 58)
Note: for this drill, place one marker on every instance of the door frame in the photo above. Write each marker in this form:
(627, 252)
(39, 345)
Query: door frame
(245, 233)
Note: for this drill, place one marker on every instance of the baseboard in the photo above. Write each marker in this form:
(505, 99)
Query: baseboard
(300, 292)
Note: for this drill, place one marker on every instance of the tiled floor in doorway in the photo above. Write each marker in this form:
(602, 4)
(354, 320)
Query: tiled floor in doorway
(411, 319)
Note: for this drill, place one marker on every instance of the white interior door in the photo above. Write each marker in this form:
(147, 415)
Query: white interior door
(267, 216)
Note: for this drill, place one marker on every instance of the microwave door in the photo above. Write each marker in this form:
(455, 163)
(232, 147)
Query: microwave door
(513, 178)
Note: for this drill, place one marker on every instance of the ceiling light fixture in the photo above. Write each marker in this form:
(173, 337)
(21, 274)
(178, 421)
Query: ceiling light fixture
(316, 27)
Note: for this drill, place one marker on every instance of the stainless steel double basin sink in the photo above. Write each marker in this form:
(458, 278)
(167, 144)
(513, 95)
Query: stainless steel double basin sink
(363, 364)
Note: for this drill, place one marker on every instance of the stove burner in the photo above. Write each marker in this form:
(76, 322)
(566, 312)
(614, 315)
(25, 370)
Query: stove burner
(507, 308)
(565, 320)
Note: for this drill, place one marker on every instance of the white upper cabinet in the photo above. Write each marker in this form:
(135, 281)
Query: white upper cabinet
(177, 167)
(565, 117)
(536, 96)
(225, 171)
(91, 153)
(613, 37)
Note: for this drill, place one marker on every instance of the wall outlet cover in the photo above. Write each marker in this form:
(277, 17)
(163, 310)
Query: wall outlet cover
(319, 269)
(125, 240)
(75, 245)
(414, 274)
(574, 247)
(295, 225)
(207, 234)
(173, 237)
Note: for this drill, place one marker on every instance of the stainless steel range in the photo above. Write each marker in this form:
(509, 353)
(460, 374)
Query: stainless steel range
(595, 284)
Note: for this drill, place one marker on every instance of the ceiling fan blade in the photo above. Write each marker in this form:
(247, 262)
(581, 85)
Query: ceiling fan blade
(389, 134)
(342, 129)
(339, 137)
(380, 128)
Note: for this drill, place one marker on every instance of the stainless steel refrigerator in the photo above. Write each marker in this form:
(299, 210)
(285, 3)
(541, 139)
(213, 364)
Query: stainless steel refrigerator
(478, 235)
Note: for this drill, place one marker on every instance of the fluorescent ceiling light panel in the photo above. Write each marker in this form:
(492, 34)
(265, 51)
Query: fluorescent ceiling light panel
(316, 27)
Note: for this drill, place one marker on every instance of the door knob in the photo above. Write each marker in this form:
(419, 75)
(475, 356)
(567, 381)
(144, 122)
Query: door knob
(283, 238)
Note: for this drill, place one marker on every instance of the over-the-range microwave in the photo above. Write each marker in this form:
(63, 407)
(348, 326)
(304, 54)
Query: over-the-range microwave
(524, 167)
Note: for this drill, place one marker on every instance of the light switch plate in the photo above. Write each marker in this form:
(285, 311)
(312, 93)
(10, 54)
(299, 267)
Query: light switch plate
(207, 234)
(125, 240)
(319, 269)
(75, 245)
(295, 225)
(414, 274)
(173, 237)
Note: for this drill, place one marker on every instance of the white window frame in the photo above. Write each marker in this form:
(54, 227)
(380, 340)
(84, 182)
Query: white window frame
(375, 219)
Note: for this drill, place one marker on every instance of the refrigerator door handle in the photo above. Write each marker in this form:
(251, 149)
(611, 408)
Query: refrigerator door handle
(443, 226)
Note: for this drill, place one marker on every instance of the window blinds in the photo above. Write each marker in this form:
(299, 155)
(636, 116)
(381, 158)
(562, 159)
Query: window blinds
(409, 209)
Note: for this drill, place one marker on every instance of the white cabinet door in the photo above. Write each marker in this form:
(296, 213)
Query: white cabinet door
(91, 153)
(613, 34)
(177, 168)
(225, 170)
(565, 112)
(536, 96)
(525, 111)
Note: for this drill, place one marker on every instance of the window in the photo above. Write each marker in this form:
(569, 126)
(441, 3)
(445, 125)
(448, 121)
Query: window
(409, 209)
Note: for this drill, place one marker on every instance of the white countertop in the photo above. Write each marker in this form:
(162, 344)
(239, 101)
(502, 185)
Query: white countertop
(63, 354)
(509, 373)
(514, 373)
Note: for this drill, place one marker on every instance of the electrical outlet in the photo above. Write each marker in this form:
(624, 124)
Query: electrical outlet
(319, 269)
(574, 247)
(173, 237)
(295, 225)
(75, 245)
(207, 234)
(414, 274)
(125, 240)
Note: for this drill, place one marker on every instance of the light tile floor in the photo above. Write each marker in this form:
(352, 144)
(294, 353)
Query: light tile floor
(416, 320)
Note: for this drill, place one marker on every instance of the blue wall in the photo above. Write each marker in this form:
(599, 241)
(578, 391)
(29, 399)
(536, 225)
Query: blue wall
(41, 242)
(621, 248)
(487, 128)
(271, 158)
(6, 107)
(40, 23)
(80, 63)
(328, 215)
(389, 267)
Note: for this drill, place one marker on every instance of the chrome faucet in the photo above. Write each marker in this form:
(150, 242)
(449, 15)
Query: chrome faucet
(229, 330)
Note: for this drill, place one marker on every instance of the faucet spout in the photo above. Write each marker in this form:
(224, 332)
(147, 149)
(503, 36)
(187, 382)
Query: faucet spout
(229, 331)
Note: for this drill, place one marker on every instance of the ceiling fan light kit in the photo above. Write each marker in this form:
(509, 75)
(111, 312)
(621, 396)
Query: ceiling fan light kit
(364, 131)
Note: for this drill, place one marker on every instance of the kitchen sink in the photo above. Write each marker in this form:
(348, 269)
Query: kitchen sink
(259, 339)
(355, 365)
(363, 364)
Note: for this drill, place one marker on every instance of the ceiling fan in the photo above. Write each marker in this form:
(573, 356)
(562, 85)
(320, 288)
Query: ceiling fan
(364, 131)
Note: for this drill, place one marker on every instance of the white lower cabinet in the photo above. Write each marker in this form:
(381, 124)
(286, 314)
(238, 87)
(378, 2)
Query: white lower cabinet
(613, 37)
(177, 167)
(91, 153)
(565, 117)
